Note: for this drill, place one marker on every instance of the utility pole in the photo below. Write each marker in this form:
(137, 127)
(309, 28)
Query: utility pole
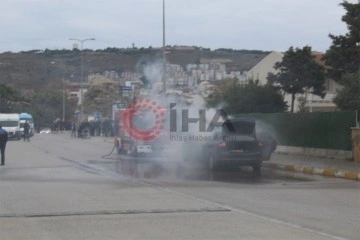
(163, 53)
(63, 98)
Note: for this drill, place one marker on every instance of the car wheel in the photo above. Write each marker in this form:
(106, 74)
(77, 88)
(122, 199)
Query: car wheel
(256, 170)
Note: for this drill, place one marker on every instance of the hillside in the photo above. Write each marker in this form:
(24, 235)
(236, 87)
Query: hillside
(45, 69)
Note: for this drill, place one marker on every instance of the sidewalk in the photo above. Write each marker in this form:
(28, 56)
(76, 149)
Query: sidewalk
(315, 165)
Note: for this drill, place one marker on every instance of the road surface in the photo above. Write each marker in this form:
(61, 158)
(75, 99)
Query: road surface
(58, 187)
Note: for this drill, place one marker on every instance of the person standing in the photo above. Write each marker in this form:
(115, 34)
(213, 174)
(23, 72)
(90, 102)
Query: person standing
(26, 130)
(3, 140)
(73, 129)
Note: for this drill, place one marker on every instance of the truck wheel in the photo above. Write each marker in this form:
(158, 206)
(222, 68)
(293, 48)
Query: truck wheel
(211, 163)
(133, 151)
(180, 169)
(118, 148)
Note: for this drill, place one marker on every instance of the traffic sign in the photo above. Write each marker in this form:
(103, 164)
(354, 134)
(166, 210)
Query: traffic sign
(127, 89)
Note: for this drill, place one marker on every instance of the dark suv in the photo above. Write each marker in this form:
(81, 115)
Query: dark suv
(235, 144)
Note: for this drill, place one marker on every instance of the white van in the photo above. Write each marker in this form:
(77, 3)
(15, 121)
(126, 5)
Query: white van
(11, 123)
(26, 117)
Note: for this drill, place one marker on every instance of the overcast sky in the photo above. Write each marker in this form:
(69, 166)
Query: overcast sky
(238, 24)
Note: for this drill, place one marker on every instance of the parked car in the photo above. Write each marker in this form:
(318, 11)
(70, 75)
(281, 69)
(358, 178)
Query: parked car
(235, 144)
(45, 131)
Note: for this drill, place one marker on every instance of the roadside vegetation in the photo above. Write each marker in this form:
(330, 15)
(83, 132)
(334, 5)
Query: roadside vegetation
(343, 59)
(235, 97)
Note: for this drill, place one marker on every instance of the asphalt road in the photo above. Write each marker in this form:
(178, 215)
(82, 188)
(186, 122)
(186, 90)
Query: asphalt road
(57, 187)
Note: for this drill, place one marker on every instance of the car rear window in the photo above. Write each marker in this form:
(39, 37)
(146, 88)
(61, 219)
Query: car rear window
(242, 127)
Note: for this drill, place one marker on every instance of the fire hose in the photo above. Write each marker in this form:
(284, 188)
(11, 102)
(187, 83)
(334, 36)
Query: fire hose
(106, 155)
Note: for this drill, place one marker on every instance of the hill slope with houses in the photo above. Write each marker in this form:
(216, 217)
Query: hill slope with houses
(37, 69)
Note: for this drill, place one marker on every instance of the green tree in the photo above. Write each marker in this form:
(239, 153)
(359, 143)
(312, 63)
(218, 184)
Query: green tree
(235, 97)
(343, 59)
(8, 98)
(343, 56)
(348, 98)
(46, 107)
(302, 106)
(298, 73)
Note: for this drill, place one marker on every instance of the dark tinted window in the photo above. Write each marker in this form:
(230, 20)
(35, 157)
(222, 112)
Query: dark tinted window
(245, 127)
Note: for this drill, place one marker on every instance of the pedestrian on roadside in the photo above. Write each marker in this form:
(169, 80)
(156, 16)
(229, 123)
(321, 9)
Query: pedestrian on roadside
(3, 140)
(73, 129)
(26, 130)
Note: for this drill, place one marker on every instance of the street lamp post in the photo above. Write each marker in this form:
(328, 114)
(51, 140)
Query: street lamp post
(81, 41)
(163, 51)
(63, 100)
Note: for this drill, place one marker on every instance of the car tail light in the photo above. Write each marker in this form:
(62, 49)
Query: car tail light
(221, 146)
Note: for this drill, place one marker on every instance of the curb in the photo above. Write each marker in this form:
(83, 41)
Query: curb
(328, 172)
